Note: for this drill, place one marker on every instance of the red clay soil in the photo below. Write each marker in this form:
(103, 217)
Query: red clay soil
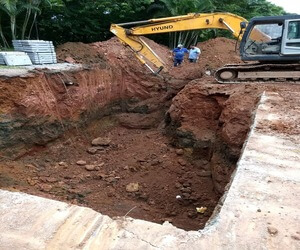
(215, 53)
(79, 52)
(141, 158)
(221, 115)
(137, 171)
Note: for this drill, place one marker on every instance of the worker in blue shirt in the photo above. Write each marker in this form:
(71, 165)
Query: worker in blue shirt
(194, 54)
(178, 54)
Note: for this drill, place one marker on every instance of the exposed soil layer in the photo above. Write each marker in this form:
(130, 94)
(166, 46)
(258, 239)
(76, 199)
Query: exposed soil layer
(215, 53)
(156, 158)
(79, 53)
(138, 170)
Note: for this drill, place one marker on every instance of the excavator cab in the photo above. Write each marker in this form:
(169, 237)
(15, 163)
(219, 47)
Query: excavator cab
(272, 39)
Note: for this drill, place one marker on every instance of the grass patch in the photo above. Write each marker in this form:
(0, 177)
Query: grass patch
(9, 67)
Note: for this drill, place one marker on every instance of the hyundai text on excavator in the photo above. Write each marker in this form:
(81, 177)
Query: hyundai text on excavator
(273, 42)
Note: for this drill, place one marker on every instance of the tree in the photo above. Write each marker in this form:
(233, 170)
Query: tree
(12, 8)
(88, 20)
(32, 8)
(165, 8)
(244, 8)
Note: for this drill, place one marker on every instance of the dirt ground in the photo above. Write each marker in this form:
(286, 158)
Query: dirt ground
(127, 163)
(137, 172)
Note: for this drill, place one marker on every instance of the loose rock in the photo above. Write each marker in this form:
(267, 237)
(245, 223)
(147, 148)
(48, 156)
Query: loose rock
(90, 167)
(101, 141)
(201, 210)
(81, 163)
(69, 59)
(182, 162)
(205, 173)
(45, 187)
(63, 164)
(272, 230)
(92, 150)
(132, 187)
(179, 151)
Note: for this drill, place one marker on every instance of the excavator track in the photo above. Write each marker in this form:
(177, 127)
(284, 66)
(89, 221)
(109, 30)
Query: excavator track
(262, 73)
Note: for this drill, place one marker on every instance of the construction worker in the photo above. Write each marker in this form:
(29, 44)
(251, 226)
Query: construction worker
(178, 54)
(194, 54)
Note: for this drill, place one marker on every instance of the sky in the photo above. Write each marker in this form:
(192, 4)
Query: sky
(291, 6)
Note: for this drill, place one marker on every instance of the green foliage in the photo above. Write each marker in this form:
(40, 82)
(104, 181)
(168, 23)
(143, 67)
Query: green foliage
(244, 8)
(89, 20)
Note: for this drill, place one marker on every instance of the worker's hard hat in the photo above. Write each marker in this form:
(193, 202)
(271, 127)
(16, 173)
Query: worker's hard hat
(180, 45)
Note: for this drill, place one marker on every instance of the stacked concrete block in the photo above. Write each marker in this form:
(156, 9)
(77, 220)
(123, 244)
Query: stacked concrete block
(2, 62)
(39, 51)
(14, 58)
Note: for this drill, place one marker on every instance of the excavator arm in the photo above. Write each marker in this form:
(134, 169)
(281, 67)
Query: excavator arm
(132, 37)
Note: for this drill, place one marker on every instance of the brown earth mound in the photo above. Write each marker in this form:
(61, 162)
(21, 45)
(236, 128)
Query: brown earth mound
(78, 53)
(215, 53)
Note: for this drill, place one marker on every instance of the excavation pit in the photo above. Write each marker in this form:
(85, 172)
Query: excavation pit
(118, 171)
(170, 164)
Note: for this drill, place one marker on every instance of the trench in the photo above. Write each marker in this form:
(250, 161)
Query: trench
(128, 157)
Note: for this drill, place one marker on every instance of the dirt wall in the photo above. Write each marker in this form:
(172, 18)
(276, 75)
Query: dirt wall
(211, 123)
(39, 108)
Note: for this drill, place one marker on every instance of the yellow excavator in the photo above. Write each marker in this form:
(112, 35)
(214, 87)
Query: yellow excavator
(274, 42)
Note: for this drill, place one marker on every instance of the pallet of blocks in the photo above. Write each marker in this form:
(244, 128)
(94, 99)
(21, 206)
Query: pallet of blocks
(39, 51)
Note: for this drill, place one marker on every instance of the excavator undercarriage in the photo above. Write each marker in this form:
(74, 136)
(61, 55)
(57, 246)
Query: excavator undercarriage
(249, 73)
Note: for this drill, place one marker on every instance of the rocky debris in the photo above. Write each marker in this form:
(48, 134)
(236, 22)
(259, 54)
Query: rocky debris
(272, 230)
(179, 151)
(140, 121)
(182, 162)
(295, 237)
(45, 187)
(112, 179)
(90, 167)
(101, 141)
(187, 190)
(32, 181)
(201, 210)
(81, 162)
(92, 150)
(69, 59)
(51, 179)
(132, 187)
(63, 164)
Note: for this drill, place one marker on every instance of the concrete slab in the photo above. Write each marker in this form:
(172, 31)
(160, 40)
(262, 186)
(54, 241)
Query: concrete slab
(24, 71)
(13, 58)
(260, 210)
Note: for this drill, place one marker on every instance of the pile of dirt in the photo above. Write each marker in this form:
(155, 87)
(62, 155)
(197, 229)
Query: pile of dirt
(215, 53)
(79, 53)
(218, 52)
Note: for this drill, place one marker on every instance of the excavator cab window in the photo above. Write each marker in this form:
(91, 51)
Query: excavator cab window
(264, 39)
(291, 41)
(294, 30)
